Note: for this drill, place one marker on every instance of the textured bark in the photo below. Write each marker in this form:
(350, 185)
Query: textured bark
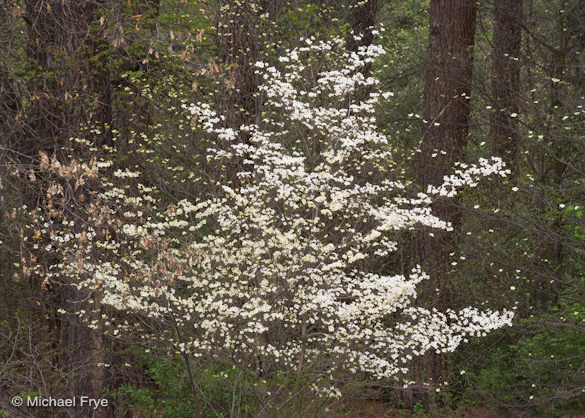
(446, 114)
(507, 39)
(70, 98)
(237, 48)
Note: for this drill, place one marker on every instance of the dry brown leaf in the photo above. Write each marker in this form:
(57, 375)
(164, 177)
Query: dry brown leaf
(46, 285)
(199, 36)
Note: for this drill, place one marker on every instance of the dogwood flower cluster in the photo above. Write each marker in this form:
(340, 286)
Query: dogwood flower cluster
(279, 272)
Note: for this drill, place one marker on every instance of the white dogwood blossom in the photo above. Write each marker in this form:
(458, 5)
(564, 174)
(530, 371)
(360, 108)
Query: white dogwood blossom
(279, 271)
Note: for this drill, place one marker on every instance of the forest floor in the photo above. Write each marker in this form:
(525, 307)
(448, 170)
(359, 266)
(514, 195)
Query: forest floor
(380, 409)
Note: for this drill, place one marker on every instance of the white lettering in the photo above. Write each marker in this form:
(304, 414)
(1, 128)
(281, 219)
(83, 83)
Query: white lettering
(93, 403)
(39, 401)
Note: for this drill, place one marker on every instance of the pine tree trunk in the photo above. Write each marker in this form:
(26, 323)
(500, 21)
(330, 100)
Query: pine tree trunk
(507, 39)
(70, 98)
(444, 138)
(446, 113)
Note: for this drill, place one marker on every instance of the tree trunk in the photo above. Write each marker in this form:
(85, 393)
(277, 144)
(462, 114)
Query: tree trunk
(361, 18)
(70, 98)
(74, 87)
(236, 50)
(507, 39)
(446, 115)
(237, 98)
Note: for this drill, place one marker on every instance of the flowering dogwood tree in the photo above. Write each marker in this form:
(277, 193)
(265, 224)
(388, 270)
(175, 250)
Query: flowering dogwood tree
(278, 271)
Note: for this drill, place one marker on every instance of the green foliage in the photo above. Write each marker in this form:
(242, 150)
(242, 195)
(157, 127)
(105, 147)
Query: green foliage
(402, 72)
(169, 392)
(543, 370)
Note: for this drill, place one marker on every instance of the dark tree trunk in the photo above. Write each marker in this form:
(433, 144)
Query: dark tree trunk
(446, 114)
(444, 138)
(237, 48)
(73, 90)
(549, 255)
(70, 98)
(361, 18)
(507, 39)
(237, 95)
